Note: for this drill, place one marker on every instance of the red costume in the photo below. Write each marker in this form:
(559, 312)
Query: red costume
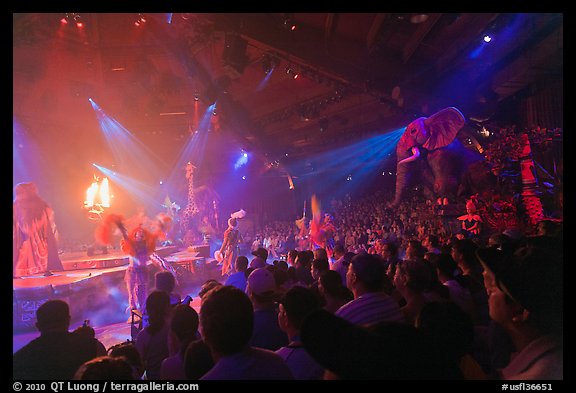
(232, 238)
(34, 234)
(140, 245)
(322, 230)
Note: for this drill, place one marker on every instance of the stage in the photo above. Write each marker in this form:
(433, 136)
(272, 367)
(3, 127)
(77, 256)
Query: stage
(94, 285)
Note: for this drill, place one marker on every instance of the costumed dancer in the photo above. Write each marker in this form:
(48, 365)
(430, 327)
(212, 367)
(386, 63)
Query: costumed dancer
(471, 221)
(322, 229)
(232, 238)
(303, 242)
(34, 234)
(140, 245)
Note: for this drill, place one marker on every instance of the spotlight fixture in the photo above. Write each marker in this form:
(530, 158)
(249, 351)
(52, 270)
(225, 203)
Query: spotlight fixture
(292, 73)
(289, 23)
(72, 17)
(78, 20)
(140, 20)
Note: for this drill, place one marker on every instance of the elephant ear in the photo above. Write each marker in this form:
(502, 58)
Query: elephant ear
(443, 126)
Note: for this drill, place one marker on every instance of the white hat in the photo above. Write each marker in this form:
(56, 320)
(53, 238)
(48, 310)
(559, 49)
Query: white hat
(261, 282)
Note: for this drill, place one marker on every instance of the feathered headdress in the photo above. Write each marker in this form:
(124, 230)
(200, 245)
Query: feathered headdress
(234, 217)
(470, 204)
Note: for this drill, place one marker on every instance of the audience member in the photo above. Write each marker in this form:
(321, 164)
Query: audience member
(303, 262)
(152, 341)
(451, 332)
(261, 289)
(335, 294)
(197, 360)
(88, 331)
(165, 281)
(129, 351)
(366, 279)
(412, 279)
(384, 351)
(105, 368)
(206, 287)
(464, 254)
(238, 279)
(260, 257)
(450, 276)
(57, 353)
(296, 304)
(339, 265)
(525, 297)
(227, 321)
(183, 330)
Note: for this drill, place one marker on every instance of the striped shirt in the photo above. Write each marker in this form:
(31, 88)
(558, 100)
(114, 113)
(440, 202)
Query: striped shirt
(371, 308)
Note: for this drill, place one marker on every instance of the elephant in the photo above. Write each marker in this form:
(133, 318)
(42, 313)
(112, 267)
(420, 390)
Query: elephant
(429, 151)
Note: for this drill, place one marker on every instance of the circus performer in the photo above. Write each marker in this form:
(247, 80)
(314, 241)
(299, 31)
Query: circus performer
(302, 238)
(140, 245)
(471, 221)
(232, 238)
(34, 234)
(322, 229)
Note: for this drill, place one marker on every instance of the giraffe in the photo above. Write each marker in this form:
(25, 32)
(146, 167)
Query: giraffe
(191, 210)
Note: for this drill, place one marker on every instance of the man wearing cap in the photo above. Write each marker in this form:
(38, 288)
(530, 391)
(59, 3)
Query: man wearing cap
(525, 297)
(261, 289)
(261, 255)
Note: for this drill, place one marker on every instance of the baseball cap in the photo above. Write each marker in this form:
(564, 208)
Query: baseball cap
(261, 252)
(261, 282)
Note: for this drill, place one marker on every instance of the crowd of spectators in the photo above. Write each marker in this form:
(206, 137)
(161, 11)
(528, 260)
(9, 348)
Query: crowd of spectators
(407, 294)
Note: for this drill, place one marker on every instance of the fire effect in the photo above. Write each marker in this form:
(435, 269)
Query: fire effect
(97, 198)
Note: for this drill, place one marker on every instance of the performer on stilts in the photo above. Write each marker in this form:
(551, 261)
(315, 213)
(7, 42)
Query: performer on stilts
(140, 245)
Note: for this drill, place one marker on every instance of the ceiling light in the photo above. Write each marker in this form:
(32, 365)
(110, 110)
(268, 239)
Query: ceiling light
(418, 18)
(293, 74)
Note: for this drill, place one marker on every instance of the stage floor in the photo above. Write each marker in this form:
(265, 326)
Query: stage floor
(94, 286)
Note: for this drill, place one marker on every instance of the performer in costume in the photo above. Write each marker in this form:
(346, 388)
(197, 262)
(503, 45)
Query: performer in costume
(471, 222)
(232, 238)
(140, 245)
(322, 229)
(303, 236)
(34, 234)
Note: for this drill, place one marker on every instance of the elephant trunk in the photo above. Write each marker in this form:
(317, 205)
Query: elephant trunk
(403, 176)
